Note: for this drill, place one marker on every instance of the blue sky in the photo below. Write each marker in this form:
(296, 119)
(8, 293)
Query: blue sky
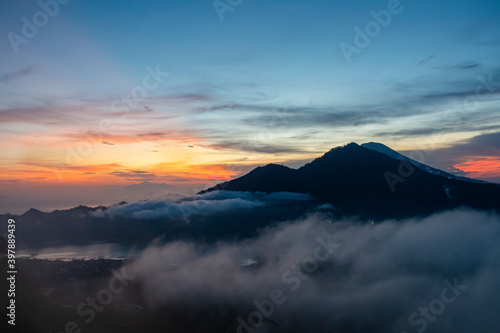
(268, 83)
(286, 50)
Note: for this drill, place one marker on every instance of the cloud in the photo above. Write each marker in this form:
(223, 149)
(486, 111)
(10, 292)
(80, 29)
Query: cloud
(276, 117)
(425, 60)
(482, 30)
(481, 168)
(325, 207)
(136, 175)
(263, 146)
(16, 74)
(433, 99)
(473, 126)
(151, 210)
(90, 168)
(39, 115)
(202, 205)
(140, 171)
(371, 277)
(463, 94)
(484, 145)
(86, 113)
(462, 66)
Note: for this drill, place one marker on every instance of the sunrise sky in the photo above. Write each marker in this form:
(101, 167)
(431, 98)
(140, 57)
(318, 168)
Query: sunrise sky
(190, 93)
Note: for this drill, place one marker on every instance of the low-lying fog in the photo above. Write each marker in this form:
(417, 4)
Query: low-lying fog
(437, 274)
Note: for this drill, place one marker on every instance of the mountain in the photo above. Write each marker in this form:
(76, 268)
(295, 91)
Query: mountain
(371, 184)
(381, 148)
(269, 178)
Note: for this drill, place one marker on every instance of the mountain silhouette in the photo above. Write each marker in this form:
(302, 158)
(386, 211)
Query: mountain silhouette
(370, 184)
(394, 154)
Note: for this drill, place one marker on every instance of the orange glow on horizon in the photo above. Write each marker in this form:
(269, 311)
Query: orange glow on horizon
(117, 174)
(487, 167)
(124, 160)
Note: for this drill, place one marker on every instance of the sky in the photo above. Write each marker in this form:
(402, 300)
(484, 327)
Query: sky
(99, 96)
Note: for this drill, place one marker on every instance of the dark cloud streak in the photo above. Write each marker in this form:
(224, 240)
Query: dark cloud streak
(16, 74)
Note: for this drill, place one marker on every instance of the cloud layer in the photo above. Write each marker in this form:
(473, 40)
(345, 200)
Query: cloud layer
(343, 276)
(207, 204)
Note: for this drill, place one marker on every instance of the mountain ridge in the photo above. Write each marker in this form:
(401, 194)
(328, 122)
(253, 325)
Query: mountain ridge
(368, 183)
(376, 146)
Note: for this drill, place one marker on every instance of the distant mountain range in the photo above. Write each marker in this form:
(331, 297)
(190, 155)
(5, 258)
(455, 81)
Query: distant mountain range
(372, 181)
(351, 180)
